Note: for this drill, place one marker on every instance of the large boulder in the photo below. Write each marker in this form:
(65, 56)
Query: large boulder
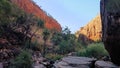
(105, 64)
(110, 15)
(75, 62)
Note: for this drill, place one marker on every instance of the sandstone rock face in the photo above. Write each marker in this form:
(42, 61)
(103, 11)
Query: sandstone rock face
(92, 31)
(75, 62)
(30, 7)
(110, 15)
(105, 64)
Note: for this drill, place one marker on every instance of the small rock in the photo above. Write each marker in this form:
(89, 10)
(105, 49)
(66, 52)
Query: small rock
(105, 64)
(1, 65)
(72, 54)
(39, 66)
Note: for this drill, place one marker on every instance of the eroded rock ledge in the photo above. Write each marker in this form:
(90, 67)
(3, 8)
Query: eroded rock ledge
(83, 62)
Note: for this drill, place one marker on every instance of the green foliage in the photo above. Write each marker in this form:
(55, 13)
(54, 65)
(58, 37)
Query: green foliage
(46, 34)
(56, 38)
(40, 23)
(23, 60)
(31, 45)
(79, 46)
(82, 52)
(8, 12)
(64, 41)
(96, 50)
(34, 45)
(5, 12)
(54, 57)
(5, 6)
(16, 23)
(65, 47)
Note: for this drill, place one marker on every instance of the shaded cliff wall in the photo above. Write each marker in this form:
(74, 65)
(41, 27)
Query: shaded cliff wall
(110, 15)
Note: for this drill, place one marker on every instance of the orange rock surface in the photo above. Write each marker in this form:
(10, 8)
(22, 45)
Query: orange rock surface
(30, 7)
(92, 30)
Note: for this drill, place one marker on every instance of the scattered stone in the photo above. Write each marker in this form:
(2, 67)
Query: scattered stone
(72, 54)
(39, 66)
(106, 58)
(105, 64)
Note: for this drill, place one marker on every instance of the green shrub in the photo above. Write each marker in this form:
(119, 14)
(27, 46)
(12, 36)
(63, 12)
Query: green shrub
(5, 12)
(95, 50)
(66, 47)
(78, 46)
(82, 52)
(64, 41)
(23, 60)
(54, 56)
(35, 46)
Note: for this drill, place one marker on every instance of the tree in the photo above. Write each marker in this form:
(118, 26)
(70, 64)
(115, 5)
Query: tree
(46, 35)
(28, 25)
(23, 60)
(65, 41)
(57, 38)
(5, 12)
(17, 25)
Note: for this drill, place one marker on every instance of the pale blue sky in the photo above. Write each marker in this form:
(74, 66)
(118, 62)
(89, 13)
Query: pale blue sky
(71, 13)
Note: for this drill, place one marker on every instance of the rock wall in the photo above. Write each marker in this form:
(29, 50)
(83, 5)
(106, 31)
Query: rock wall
(30, 7)
(110, 15)
(92, 31)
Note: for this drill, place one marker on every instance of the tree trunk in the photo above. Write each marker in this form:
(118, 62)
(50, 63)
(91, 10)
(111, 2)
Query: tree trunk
(44, 49)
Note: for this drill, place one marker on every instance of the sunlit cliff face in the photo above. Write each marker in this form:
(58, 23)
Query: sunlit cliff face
(93, 29)
(30, 7)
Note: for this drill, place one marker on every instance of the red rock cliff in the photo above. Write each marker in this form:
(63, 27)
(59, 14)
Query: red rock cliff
(92, 31)
(30, 7)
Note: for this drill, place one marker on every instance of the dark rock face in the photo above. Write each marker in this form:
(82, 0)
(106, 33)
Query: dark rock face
(110, 16)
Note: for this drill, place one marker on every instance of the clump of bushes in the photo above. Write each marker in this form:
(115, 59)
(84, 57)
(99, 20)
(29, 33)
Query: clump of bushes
(82, 52)
(65, 47)
(95, 50)
(54, 56)
(64, 41)
(23, 60)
